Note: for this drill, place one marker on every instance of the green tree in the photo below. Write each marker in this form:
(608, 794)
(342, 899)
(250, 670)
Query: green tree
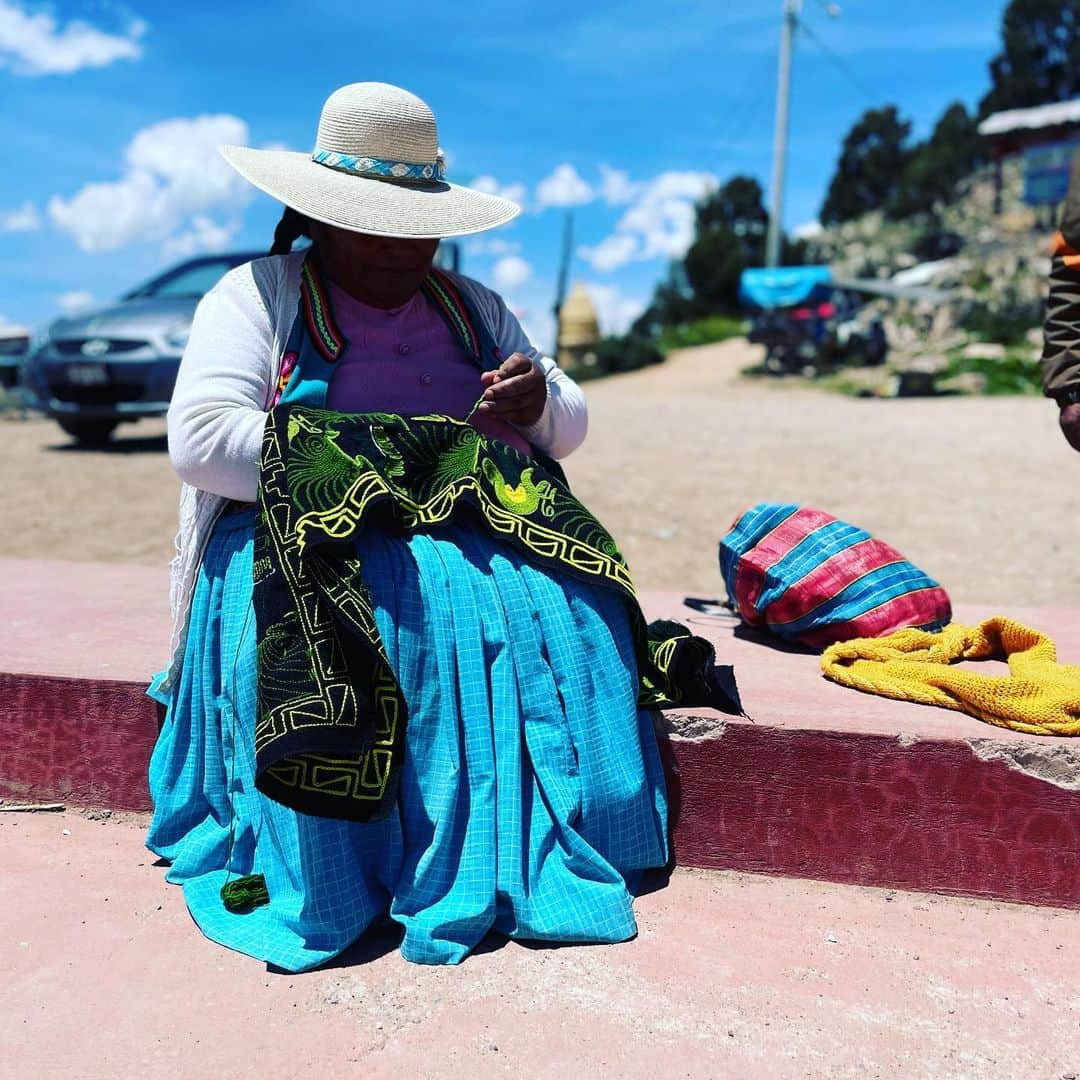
(872, 160)
(730, 226)
(935, 167)
(738, 205)
(672, 303)
(729, 235)
(1039, 62)
(730, 230)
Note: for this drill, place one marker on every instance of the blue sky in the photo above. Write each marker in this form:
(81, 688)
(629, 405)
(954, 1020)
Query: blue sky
(625, 111)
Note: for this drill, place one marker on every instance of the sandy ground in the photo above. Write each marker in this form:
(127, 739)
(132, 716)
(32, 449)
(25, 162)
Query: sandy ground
(731, 975)
(981, 493)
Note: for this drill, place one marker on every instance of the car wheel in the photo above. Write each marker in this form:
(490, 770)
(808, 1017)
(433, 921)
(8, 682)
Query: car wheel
(89, 432)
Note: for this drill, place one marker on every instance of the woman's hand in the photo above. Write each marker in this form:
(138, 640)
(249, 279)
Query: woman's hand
(1069, 418)
(515, 391)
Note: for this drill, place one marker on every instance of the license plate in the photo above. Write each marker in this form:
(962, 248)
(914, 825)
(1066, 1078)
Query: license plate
(87, 374)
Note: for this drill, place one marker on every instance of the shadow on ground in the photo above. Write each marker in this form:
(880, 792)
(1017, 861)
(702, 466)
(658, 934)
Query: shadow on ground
(385, 936)
(144, 444)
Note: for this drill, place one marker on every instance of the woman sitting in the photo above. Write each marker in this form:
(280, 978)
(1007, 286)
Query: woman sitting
(528, 793)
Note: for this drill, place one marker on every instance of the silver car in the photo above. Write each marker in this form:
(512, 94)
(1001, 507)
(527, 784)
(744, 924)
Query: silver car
(14, 342)
(94, 371)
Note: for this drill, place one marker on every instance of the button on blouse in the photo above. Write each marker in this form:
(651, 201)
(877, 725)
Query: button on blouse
(406, 360)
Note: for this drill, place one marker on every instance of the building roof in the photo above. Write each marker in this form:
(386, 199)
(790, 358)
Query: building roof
(1042, 116)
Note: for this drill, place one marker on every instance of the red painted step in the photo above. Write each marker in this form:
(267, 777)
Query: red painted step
(821, 782)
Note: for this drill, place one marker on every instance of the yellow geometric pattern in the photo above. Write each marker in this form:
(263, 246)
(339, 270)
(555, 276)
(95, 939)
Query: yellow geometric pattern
(341, 521)
(316, 590)
(326, 678)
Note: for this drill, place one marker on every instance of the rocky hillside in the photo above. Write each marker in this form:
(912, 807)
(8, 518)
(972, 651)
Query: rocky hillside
(991, 267)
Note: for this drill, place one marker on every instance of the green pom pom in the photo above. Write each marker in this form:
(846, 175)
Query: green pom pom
(245, 893)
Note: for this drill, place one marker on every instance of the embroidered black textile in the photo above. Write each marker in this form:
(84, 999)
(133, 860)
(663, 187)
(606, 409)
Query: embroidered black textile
(330, 732)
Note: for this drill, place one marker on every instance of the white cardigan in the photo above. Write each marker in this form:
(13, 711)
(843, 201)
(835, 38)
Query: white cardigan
(226, 384)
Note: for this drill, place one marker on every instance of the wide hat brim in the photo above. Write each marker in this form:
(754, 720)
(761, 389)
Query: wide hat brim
(416, 211)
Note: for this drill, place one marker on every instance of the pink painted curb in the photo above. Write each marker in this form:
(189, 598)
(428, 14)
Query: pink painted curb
(822, 782)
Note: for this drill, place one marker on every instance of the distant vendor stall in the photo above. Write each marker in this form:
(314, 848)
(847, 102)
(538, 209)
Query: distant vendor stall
(808, 321)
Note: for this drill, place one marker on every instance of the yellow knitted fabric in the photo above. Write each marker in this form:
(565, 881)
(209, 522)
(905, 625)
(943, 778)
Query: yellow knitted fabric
(1038, 696)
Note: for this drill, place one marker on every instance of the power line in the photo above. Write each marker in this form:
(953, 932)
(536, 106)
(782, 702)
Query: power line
(839, 62)
(744, 112)
(747, 111)
(744, 104)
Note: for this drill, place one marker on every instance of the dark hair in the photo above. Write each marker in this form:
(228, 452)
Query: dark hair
(289, 229)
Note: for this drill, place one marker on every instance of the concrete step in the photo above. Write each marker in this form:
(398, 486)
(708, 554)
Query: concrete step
(731, 975)
(819, 782)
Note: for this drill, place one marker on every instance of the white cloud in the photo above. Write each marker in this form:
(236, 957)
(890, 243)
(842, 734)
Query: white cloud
(23, 219)
(612, 252)
(663, 214)
(71, 303)
(173, 175)
(616, 187)
(204, 235)
(37, 45)
(614, 311)
(538, 324)
(564, 187)
(494, 245)
(666, 227)
(677, 185)
(808, 230)
(659, 223)
(510, 272)
(490, 186)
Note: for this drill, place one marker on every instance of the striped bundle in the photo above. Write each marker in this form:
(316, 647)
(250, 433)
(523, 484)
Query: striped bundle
(814, 580)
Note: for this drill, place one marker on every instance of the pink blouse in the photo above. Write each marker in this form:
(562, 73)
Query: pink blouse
(405, 360)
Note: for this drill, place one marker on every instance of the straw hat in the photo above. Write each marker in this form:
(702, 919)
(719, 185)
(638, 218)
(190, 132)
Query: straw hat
(376, 168)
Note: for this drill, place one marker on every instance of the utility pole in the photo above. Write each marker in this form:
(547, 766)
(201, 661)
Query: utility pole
(780, 133)
(564, 273)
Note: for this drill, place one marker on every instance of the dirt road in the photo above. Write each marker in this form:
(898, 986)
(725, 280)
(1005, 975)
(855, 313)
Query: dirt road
(981, 492)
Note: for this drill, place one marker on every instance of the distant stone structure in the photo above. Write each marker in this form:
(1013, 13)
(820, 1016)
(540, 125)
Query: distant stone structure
(579, 330)
(1046, 138)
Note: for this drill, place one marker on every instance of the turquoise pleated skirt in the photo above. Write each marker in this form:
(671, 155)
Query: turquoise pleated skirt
(531, 793)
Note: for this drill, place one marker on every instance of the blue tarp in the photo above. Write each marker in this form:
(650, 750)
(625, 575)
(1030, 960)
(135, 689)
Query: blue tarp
(784, 286)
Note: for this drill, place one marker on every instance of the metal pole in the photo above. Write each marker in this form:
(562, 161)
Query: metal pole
(564, 273)
(780, 133)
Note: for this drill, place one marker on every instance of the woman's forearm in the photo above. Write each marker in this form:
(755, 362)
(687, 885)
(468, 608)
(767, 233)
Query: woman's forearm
(562, 427)
(217, 414)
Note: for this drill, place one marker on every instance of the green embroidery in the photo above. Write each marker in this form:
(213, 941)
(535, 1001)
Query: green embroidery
(329, 734)
(320, 471)
(525, 497)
